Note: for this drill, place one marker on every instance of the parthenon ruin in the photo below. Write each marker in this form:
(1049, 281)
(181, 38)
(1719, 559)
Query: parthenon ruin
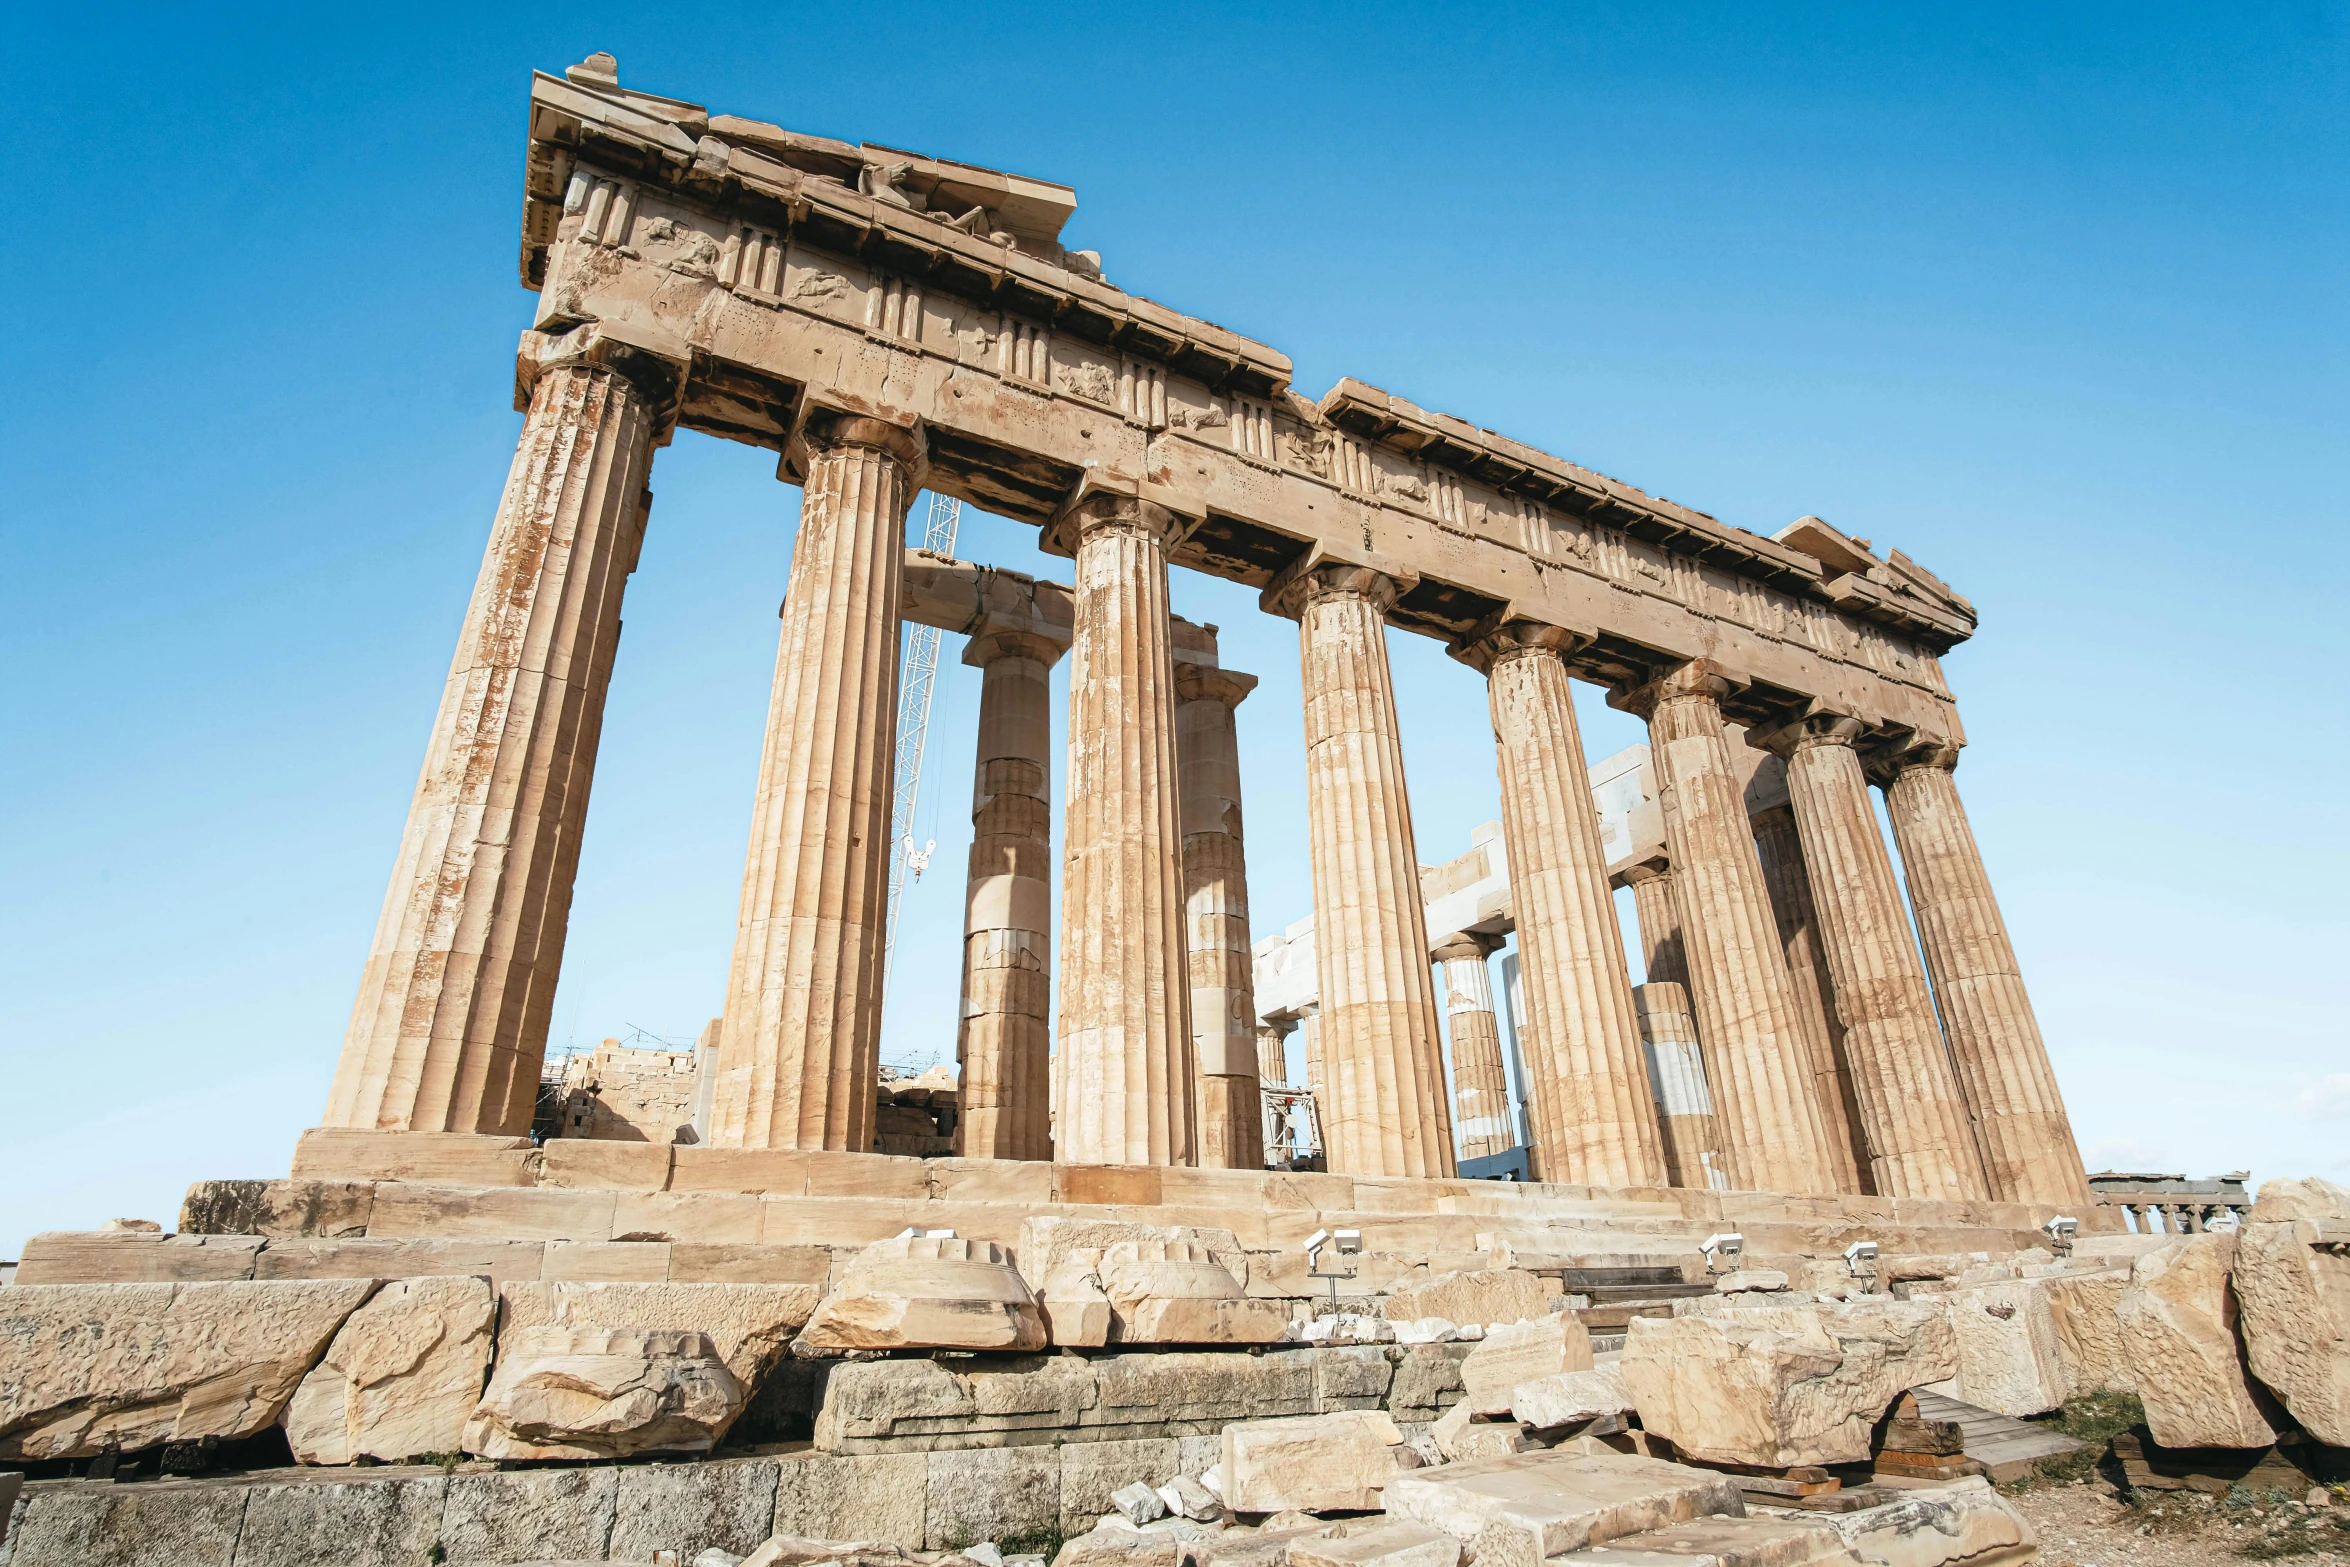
(1770, 1257)
(888, 322)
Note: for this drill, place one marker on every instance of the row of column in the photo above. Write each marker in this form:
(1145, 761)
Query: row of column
(1158, 1059)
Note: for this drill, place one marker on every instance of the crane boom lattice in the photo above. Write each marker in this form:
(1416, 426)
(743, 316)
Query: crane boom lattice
(917, 676)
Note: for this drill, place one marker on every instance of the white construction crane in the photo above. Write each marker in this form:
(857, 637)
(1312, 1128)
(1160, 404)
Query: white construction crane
(916, 677)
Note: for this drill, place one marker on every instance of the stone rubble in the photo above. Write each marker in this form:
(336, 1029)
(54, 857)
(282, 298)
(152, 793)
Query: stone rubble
(928, 1291)
(2292, 1285)
(1309, 1463)
(2178, 1327)
(604, 1393)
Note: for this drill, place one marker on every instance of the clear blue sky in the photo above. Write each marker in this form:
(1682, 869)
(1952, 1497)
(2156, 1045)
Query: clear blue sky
(2050, 297)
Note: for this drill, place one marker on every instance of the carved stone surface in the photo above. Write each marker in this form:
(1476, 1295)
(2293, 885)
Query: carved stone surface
(1592, 1120)
(1919, 1140)
(2178, 1323)
(1125, 1065)
(2026, 1137)
(798, 1055)
(1175, 1292)
(2010, 1357)
(451, 1019)
(1381, 1095)
(84, 1367)
(1309, 1463)
(1481, 1295)
(401, 1377)
(2292, 1280)
(1756, 1057)
(1519, 1352)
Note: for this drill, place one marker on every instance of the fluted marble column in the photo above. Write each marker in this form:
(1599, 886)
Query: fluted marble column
(1919, 1140)
(801, 1046)
(1309, 1023)
(1676, 1076)
(1779, 848)
(1126, 1065)
(1005, 1042)
(1758, 1065)
(1594, 1119)
(1382, 1093)
(2020, 1121)
(1480, 1082)
(1215, 888)
(450, 1024)
(1659, 917)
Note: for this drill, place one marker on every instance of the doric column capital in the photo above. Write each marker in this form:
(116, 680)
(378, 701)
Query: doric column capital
(1092, 513)
(1464, 946)
(1210, 683)
(1655, 868)
(1687, 681)
(829, 429)
(656, 376)
(1295, 588)
(995, 636)
(1804, 734)
(1494, 644)
(1890, 762)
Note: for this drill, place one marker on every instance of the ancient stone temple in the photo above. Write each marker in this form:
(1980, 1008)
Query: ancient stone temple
(1123, 1175)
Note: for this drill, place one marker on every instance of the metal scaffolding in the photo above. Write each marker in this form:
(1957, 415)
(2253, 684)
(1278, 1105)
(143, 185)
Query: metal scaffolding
(918, 675)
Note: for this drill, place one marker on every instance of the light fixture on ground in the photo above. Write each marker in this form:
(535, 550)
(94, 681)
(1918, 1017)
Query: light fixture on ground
(2060, 1231)
(1346, 1243)
(1861, 1258)
(1723, 1251)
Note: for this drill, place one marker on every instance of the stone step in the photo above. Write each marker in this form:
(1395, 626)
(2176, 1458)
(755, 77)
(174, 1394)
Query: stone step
(1522, 1510)
(1719, 1541)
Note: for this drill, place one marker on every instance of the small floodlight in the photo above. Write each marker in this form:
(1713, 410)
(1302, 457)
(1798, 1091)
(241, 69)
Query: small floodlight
(1350, 1242)
(1315, 1240)
(1722, 1250)
(2060, 1231)
(1861, 1258)
(909, 1233)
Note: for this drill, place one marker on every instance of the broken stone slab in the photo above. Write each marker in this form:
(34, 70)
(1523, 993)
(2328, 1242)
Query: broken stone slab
(1127, 1547)
(928, 1292)
(2178, 1326)
(1962, 1524)
(134, 1256)
(1725, 1541)
(1479, 1295)
(1783, 1385)
(2009, 1356)
(1461, 1437)
(1380, 1545)
(790, 1550)
(1190, 1496)
(1311, 1463)
(401, 1377)
(1521, 1352)
(1346, 1327)
(1050, 1241)
(1747, 1281)
(1075, 1308)
(604, 1393)
(1425, 1330)
(1572, 1397)
(2292, 1281)
(1176, 1292)
(1520, 1511)
(89, 1366)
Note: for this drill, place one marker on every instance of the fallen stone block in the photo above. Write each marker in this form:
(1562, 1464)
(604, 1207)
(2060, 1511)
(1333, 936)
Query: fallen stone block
(1346, 1327)
(1521, 1352)
(89, 1366)
(2292, 1281)
(2178, 1324)
(751, 1325)
(1522, 1510)
(1425, 1330)
(2085, 1310)
(604, 1393)
(134, 1256)
(1782, 1385)
(1461, 1437)
(2009, 1357)
(788, 1550)
(1128, 1547)
(1572, 1397)
(1311, 1463)
(1189, 1496)
(1138, 1504)
(1382, 1545)
(1075, 1308)
(401, 1377)
(1176, 1292)
(1725, 1541)
(1479, 1295)
(928, 1291)
(1962, 1524)
(1746, 1281)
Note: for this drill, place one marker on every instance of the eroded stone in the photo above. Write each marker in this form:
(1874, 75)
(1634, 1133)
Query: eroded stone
(604, 1393)
(928, 1291)
(401, 1377)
